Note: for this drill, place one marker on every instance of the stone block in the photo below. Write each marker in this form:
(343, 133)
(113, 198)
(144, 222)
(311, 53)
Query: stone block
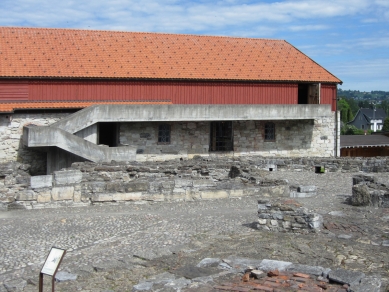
(275, 191)
(180, 183)
(312, 270)
(63, 276)
(44, 196)
(242, 264)
(191, 195)
(137, 186)
(203, 183)
(209, 262)
(345, 276)
(102, 198)
(67, 177)
(269, 265)
(306, 189)
(96, 186)
(26, 195)
(77, 194)
(133, 196)
(62, 193)
(160, 197)
(294, 194)
(41, 181)
(207, 195)
(360, 195)
(236, 193)
(370, 283)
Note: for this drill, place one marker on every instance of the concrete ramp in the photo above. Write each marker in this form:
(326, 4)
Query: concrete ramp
(35, 136)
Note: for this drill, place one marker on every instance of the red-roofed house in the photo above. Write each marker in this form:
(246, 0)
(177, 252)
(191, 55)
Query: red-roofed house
(150, 96)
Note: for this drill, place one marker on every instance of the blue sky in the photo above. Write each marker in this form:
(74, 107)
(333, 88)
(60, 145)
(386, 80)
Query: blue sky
(349, 38)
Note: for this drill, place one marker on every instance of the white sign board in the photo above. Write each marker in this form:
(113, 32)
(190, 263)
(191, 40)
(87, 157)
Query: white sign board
(53, 260)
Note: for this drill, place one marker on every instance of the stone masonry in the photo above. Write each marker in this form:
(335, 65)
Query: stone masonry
(287, 215)
(366, 191)
(175, 180)
(11, 131)
(294, 138)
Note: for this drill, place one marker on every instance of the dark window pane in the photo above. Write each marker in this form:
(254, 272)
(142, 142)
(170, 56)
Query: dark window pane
(270, 133)
(164, 133)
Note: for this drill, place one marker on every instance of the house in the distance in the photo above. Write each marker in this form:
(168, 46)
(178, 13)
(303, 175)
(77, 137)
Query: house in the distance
(73, 95)
(369, 119)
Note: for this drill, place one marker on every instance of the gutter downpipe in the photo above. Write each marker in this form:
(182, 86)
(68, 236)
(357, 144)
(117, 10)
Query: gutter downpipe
(336, 122)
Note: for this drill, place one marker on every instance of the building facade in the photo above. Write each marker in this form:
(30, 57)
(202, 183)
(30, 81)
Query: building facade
(369, 119)
(76, 95)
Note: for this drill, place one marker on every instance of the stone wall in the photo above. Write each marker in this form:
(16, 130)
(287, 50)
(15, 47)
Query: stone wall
(287, 215)
(294, 138)
(196, 179)
(11, 130)
(366, 191)
(187, 139)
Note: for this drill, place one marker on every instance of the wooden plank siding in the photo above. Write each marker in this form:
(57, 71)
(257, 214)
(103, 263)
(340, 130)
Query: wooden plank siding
(177, 92)
(14, 91)
(328, 95)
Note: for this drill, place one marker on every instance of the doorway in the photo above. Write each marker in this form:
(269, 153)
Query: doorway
(108, 134)
(221, 136)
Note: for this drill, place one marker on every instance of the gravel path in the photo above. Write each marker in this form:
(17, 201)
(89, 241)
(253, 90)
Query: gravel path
(112, 247)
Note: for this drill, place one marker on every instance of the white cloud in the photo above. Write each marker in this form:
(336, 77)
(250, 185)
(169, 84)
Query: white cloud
(169, 15)
(308, 27)
(363, 75)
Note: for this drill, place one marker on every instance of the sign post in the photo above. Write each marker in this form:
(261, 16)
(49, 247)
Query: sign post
(51, 266)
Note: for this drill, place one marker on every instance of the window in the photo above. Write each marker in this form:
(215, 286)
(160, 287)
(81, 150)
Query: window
(270, 132)
(164, 134)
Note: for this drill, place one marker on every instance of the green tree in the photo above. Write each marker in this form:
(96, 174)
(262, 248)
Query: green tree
(365, 104)
(385, 127)
(351, 130)
(346, 114)
(353, 105)
(385, 106)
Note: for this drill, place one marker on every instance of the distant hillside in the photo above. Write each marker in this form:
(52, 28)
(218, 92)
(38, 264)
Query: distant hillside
(360, 95)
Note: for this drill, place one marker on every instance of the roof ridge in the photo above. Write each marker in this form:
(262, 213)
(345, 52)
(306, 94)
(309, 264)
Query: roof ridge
(139, 32)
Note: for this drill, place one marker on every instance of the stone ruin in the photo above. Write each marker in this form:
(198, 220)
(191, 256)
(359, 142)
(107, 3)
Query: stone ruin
(200, 178)
(367, 191)
(287, 215)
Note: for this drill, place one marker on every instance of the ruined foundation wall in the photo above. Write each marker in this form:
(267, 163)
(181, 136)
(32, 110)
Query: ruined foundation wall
(196, 179)
(11, 131)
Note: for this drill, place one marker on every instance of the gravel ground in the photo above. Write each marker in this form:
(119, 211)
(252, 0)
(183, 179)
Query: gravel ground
(113, 247)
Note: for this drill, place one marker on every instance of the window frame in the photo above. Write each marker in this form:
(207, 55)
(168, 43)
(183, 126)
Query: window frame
(272, 127)
(161, 134)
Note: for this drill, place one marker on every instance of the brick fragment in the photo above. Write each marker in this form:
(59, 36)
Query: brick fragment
(246, 277)
(301, 275)
(301, 280)
(272, 284)
(323, 285)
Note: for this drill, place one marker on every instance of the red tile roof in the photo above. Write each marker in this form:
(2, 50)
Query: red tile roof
(70, 53)
(10, 107)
